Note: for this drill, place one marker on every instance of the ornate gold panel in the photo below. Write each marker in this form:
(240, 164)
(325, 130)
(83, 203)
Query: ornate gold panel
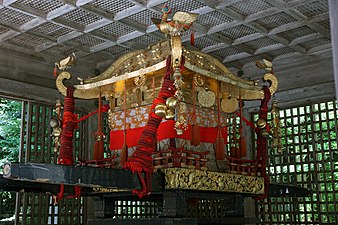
(183, 178)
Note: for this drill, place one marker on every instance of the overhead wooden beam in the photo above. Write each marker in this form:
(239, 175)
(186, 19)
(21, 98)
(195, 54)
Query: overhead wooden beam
(60, 11)
(128, 12)
(303, 39)
(136, 26)
(8, 35)
(213, 48)
(203, 10)
(28, 91)
(248, 38)
(152, 3)
(82, 2)
(129, 36)
(333, 9)
(261, 14)
(269, 48)
(102, 46)
(223, 26)
(31, 24)
(7, 2)
(286, 43)
(300, 96)
(236, 57)
(96, 25)
(99, 12)
(223, 4)
(232, 14)
(69, 36)
(45, 46)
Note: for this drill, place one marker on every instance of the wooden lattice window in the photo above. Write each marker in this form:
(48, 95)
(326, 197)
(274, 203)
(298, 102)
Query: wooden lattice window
(37, 147)
(308, 158)
(136, 209)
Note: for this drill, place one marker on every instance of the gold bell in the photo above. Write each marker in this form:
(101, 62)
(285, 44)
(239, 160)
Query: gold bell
(160, 110)
(171, 102)
(261, 123)
(264, 133)
(170, 114)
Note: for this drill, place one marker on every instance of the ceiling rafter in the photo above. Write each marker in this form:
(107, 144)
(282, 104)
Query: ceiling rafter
(111, 25)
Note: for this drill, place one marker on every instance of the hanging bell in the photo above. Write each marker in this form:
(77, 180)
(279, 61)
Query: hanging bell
(264, 133)
(261, 123)
(171, 102)
(160, 110)
(170, 114)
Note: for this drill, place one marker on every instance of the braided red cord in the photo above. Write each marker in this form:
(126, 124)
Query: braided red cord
(104, 108)
(69, 124)
(141, 159)
(262, 142)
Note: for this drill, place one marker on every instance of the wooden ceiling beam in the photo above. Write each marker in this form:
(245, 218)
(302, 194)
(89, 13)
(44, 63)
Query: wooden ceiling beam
(223, 26)
(260, 15)
(128, 12)
(60, 11)
(236, 57)
(213, 48)
(7, 2)
(96, 25)
(152, 3)
(98, 12)
(102, 46)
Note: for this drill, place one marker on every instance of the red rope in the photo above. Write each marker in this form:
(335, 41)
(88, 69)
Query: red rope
(141, 159)
(262, 142)
(104, 108)
(247, 122)
(69, 124)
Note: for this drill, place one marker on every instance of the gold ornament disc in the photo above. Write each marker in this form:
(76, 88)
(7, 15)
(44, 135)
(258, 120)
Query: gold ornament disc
(229, 104)
(206, 98)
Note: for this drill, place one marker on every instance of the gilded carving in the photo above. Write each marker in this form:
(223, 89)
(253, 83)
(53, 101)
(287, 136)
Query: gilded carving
(212, 181)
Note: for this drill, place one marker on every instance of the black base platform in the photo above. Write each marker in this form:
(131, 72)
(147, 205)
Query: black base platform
(111, 191)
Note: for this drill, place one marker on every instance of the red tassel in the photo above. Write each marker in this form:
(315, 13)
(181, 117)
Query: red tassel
(192, 37)
(98, 150)
(195, 135)
(220, 154)
(55, 71)
(242, 146)
(233, 151)
(124, 155)
(219, 146)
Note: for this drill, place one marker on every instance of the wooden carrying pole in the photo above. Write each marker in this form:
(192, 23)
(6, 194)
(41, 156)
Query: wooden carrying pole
(195, 129)
(124, 150)
(99, 144)
(219, 145)
(242, 138)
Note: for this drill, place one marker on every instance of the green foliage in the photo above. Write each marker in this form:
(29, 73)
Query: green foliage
(10, 121)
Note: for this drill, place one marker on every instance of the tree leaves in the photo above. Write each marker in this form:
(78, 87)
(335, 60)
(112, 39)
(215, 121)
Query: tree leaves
(10, 121)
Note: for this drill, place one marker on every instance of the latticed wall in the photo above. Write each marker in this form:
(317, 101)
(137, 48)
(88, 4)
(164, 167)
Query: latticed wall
(37, 146)
(136, 209)
(308, 158)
